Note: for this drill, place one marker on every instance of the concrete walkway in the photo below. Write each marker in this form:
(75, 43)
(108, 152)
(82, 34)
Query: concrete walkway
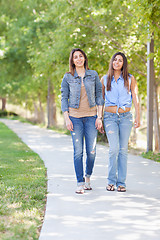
(98, 214)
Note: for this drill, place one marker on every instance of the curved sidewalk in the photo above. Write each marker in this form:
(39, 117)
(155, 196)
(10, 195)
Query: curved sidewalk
(97, 214)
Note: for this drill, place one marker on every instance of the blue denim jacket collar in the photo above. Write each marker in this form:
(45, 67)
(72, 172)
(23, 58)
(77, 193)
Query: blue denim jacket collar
(87, 73)
(75, 74)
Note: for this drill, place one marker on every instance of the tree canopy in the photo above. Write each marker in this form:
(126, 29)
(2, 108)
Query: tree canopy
(36, 38)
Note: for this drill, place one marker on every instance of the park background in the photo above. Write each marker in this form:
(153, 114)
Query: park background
(36, 38)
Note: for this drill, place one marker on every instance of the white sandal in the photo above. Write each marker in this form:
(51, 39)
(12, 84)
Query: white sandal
(80, 189)
(87, 186)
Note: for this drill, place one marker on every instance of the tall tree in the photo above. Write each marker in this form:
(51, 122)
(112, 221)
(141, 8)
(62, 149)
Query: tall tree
(147, 15)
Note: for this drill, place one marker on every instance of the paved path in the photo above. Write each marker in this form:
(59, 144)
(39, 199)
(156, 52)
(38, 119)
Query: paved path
(99, 214)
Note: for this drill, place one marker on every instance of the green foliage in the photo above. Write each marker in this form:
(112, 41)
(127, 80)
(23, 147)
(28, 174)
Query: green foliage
(37, 37)
(146, 16)
(152, 156)
(22, 188)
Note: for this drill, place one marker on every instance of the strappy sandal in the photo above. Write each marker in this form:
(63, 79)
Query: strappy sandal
(110, 187)
(87, 186)
(121, 189)
(80, 190)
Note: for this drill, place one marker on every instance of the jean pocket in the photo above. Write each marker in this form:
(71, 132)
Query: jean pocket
(128, 115)
(107, 115)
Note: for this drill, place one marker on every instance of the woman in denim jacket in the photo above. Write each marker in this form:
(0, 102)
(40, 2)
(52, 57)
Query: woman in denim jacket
(81, 103)
(119, 89)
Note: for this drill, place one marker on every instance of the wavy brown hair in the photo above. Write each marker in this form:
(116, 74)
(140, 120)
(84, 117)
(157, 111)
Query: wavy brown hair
(124, 71)
(71, 63)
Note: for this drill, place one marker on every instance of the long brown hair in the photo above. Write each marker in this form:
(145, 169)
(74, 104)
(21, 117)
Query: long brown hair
(71, 63)
(124, 71)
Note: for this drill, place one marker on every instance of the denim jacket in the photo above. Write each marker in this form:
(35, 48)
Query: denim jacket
(71, 90)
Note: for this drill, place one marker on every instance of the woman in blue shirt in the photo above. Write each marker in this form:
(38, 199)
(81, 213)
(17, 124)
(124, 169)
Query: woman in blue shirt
(119, 89)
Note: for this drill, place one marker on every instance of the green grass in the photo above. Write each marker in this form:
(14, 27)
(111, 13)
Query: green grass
(152, 156)
(21, 119)
(23, 188)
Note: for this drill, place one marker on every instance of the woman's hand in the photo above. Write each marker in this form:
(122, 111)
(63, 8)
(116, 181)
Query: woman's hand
(99, 125)
(69, 124)
(137, 122)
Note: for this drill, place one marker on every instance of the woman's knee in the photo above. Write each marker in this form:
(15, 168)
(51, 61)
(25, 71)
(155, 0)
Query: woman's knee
(91, 153)
(113, 151)
(123, 150)
(78, 154)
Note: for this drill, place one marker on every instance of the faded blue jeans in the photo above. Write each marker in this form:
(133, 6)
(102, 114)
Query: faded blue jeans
(84, 127)
(118, 129)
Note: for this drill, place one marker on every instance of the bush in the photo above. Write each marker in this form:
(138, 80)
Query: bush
(5, 113)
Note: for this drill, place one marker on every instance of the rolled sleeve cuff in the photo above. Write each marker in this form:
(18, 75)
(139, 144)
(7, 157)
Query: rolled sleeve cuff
(64, 108)
(100, 102)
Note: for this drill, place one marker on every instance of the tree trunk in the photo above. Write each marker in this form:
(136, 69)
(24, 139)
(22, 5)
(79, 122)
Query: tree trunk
(52, 108)
(141, 110)
(51, 105)
(39, 116)
(3, 104)
(35, 112)
(156, 121)
(41, 112)
(150, 86)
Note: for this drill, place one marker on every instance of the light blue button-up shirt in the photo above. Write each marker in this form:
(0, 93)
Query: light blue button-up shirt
(118, 95)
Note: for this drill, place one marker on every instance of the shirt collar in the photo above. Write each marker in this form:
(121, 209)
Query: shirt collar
(87, 73)
(120, 77)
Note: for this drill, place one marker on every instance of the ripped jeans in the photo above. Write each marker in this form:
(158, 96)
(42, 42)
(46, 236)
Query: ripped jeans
(118, 129)
(84, 127)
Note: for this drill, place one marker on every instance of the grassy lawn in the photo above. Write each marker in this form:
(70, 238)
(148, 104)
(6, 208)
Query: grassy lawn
(23, 188)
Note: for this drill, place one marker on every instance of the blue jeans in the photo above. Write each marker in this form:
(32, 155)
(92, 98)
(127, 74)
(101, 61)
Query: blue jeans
(118, 129)
(84, 127)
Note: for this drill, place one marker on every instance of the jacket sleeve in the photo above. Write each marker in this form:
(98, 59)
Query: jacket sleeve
(98, 90)
(64, 94)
